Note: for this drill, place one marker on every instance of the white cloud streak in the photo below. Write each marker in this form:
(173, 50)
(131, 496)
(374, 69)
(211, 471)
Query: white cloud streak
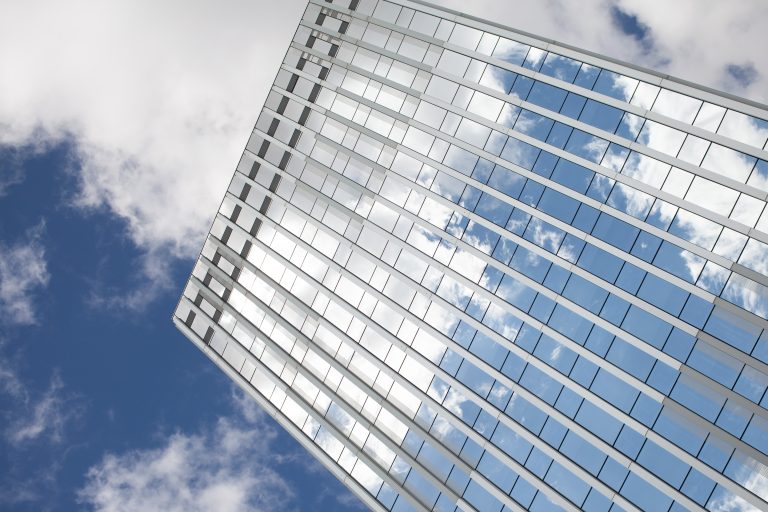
(23, 272)
(229, 467)
(44, 417)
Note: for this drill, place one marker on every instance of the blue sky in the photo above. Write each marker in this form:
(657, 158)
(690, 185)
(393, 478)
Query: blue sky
(120, 125)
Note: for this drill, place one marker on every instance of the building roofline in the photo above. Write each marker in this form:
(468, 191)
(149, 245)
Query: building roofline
(663, 76)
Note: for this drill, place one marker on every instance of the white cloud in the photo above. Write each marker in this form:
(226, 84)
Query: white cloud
(229, 467)
(23, 271)
(44, 417)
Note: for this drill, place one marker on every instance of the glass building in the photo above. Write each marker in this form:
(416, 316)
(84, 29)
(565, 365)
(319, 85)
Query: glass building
(472, 269)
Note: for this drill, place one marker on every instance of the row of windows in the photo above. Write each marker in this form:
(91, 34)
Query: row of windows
(756, 297)
(745, 382)
(724, 201)
(643, 245)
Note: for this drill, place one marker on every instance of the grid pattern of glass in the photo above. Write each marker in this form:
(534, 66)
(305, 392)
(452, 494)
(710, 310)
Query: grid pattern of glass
(472, 270)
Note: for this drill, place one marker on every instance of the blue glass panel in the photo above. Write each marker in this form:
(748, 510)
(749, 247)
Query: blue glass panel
(516, 293)
(488, 350)
(571, 248)
(523, 493)
(519, 219)
(615, 85)
(520, 153)
(542, 308)
(629, 442)
(613, 474)
(572, 175)
(530, 264)
(630, 278)
(600, 187)
(497, 472)
(614, 390)
(494, 210)
(599, 341)
(558, 205)
(567, 484)
(646, 326)
(663, 464)
(630, 126)
(555, 354)
(680, 431)
(646, 246)
(527, 338)
(600, 423)
(662, 377)
(547, 96)
(421, 488)
(570, 324)
(522, 87)
(511, 443)
(553, 432)
(757, 434)
(600, 263)
(544, 234)
(698, 487)
(506, 181)
(596, 502)
(544, 387)
(646, 410)
(703, 401)
(568, 402)
(470, 197)
(730, 328)
(684, 264)
(498, 79)
(585, 294)
(573, 105)
(556, 278)
(451, 361)
(583, 453)
(482, 170)
(500, 395)
(644, 495)
(533, 124)
(615, 157)
(715, 364)
(663, 294)
(559, 135)
(504, 250)
(631, 359)
(734, 418)
(435, 461)
(601, 116)
(545, 164)
(560, 67)
(586, 218)
(538, 462)
(696, 311)
(480, 237)
(615, 309)
(532, 193)
(716, 453)
(587, 76)
(616, 232)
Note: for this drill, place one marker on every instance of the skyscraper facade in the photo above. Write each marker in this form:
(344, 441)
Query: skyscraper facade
(472, 269)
